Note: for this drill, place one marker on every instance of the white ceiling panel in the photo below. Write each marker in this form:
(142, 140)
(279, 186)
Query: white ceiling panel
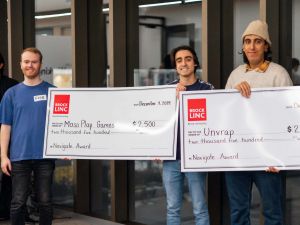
(52, 5)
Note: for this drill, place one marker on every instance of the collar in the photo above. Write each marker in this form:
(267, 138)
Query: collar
(261, 69)
(197, 80)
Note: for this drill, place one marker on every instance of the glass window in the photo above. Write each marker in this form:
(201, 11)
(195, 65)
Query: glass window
(293, 177)
(295, 42)
(246, 11)
(56, 50)
(53, 38)
(100, 190)
(160, 30)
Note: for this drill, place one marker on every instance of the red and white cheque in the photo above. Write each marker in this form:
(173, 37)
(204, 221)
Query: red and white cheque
(111, 123)
(223, 131)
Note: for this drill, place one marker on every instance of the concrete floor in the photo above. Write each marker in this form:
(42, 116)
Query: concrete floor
(71, 218)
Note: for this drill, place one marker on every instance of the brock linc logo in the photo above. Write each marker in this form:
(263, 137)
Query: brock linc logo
(61, 104)
(197, 109)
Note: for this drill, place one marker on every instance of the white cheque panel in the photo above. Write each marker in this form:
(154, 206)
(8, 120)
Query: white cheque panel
(223, 131)
(111, 123)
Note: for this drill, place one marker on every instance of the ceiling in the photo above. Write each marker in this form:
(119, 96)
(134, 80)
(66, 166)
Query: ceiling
(53, 5)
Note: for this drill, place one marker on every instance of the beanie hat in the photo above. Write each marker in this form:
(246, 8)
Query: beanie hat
(259, 28)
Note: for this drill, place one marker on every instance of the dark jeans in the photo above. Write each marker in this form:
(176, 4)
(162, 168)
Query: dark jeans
(5, 196)
(21, 181)
(239, 188)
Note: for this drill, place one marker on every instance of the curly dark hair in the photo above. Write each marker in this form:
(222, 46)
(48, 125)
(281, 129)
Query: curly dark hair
(188, 48)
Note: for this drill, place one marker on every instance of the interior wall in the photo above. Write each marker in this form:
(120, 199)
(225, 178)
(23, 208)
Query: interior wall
(58, 57)
(63, 21)
(150, 55)
(150, 47)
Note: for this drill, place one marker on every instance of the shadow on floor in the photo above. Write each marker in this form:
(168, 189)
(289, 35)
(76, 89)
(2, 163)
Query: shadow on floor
(71, 218)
